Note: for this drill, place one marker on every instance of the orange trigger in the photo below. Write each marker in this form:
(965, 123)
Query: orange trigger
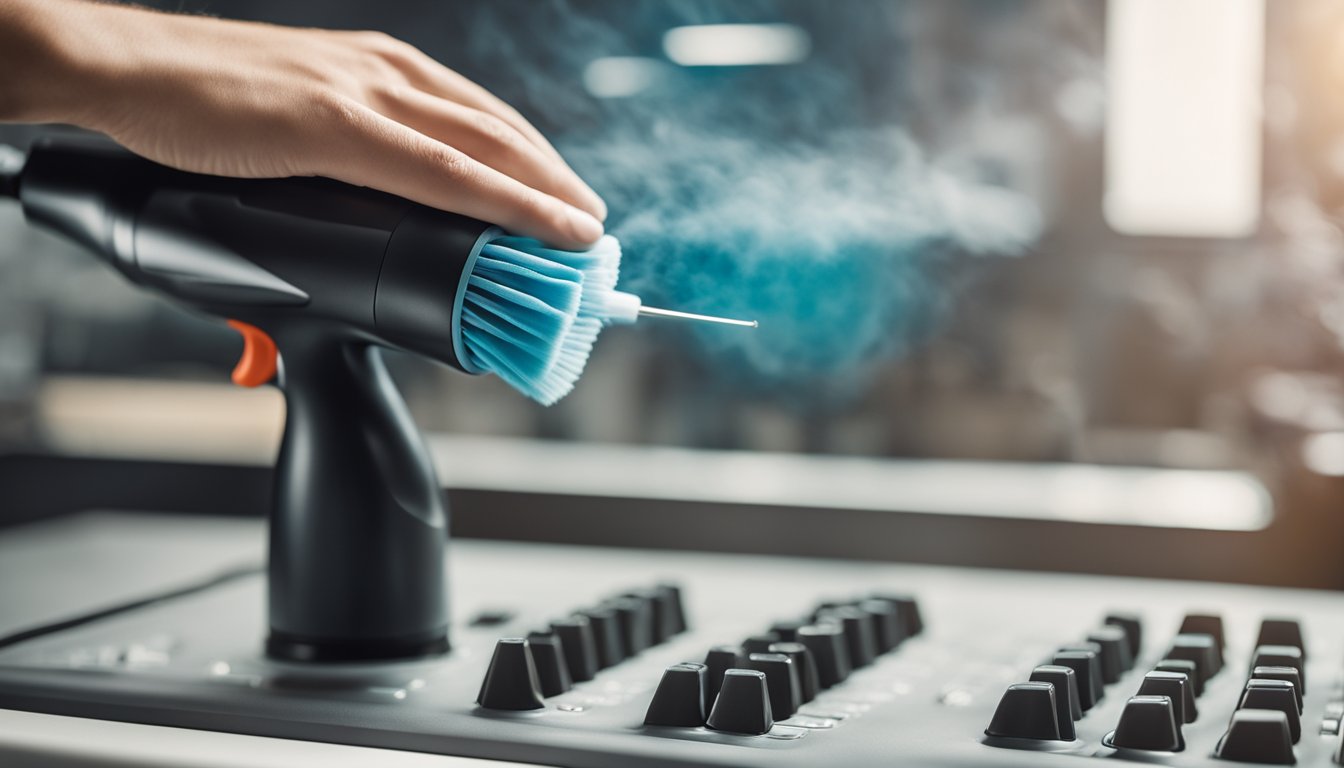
(258, 363)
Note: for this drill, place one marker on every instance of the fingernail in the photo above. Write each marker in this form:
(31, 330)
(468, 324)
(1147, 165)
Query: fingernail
(584, 227)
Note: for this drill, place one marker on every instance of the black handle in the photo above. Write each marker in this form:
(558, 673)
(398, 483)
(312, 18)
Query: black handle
(358, 529)
(328, 270)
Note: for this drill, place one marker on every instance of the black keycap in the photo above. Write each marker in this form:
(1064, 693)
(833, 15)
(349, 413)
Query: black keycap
(634, 614)
(808, 681)
(1115, 658)
(860, 632)
(511, 681)
(1281, 656)
(1067, 709)
(1087, 667)
(1147, 723)
(680, 697)
(1175, 686)
(1282, 632)
(670, 615)
(743, 704)
(1274, 694)
(607, 635)
(1199, 648)
(1286, 674)
(759, 643)
(1086, 645)
(911, 619)
(548, 655)
(1185, 666)
(887, 623)
(782, 680)
(827, 644)
(1204, 624)
(720, 659)
(1257, 736)
(826, 606)
(1026, 711)
(1133, 628)
(576, 638)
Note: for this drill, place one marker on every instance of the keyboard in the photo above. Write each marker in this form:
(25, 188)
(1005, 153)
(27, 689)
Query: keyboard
(607, 657)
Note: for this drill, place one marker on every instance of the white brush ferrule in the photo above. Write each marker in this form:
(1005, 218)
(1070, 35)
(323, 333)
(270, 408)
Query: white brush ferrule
(621, 308)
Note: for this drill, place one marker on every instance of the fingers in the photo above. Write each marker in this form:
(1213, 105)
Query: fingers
(491, 141)
(430, 76)
(398, 159)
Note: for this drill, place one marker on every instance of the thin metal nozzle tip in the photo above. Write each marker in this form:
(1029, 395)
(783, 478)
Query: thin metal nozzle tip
(675, 315)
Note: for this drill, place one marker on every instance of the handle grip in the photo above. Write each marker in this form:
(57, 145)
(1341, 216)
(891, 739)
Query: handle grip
(358, 530)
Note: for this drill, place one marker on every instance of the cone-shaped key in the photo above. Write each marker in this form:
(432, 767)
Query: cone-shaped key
(720, 659)
(669, 618)
(860, 633)
(511, 681)
(576, 638)
(634, 614)
(808, 680)
(1281, 656)
(1148, 723)
(1133, 628)
(911, 619)
(1286, 674)
(680, 697)
(548, 655)
(607, 635)
(1067, 708)
(1257, 736)
(1026, 711)
(887, 622)
(1176, 686)
(1115, 657)
(1274, 694)
(743, 704)
(1199, 648)
(1204, 624)
(786, 693)
(759, 643)
(1282, 632)
(827, 644)
(1087, 667)
(1186, 667)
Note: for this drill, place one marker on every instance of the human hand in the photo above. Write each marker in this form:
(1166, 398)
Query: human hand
(254, 100)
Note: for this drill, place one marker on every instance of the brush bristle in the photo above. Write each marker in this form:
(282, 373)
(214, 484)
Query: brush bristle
(531, 314)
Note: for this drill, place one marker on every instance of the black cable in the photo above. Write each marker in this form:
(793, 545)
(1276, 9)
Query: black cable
(11, 170)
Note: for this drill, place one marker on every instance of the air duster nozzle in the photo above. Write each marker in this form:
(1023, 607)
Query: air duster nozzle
(625, 308)
(531, 314)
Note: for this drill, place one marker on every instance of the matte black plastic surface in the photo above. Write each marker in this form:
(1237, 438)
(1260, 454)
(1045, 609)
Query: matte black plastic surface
(1148, 723)
(329, 271)
(1026, 711)
(679, 700)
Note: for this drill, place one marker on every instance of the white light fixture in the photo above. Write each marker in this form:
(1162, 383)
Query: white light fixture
(616, 77)
(1323, 453)
(736, 45)
(1184, 82)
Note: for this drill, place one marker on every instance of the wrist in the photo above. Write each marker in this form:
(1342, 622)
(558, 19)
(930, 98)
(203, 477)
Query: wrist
(70, 57)
(36, 88)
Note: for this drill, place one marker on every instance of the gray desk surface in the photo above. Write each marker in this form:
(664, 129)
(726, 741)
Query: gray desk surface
(47, 741)
(78, 564)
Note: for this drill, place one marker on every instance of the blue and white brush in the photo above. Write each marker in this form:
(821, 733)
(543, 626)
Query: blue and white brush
(531, 314)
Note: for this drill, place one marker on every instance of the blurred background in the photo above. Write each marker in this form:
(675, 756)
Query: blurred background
(990, 238)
